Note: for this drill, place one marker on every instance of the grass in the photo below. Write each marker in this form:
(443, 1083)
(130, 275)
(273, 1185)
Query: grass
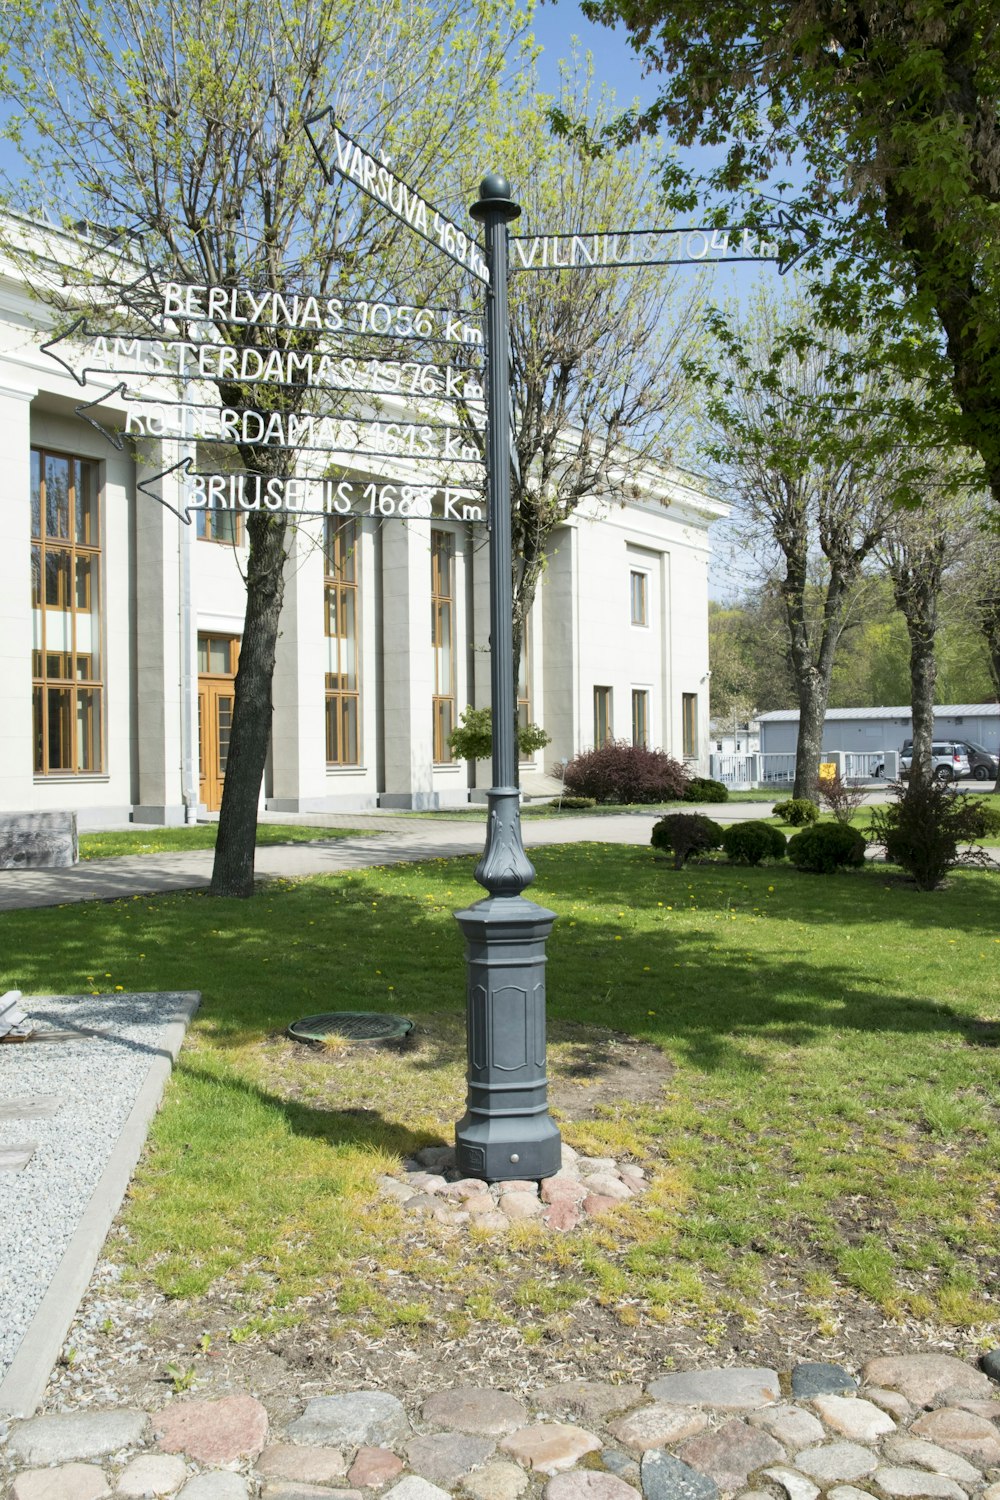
(830, 1128)
(198, 836)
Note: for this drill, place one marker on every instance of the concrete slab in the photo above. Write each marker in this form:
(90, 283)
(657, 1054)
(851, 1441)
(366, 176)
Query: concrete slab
(28, 1373)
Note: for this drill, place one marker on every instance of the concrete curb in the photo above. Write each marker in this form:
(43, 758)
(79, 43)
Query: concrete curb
(26, 1379)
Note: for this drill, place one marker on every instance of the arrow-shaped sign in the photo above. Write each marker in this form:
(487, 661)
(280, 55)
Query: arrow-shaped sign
(184, 467)
(589, 250)
(337, 153)
(256, 364)
(50, 349)
(114, 437)
(296, 494)
(247, 427)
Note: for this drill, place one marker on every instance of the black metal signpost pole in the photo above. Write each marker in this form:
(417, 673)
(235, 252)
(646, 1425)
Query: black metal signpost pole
(506, 1131)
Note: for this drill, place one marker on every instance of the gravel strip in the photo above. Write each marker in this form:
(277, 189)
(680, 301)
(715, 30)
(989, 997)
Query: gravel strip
(96, 1077)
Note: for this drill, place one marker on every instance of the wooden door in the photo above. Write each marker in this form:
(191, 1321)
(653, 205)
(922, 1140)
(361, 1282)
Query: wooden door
(217, 657)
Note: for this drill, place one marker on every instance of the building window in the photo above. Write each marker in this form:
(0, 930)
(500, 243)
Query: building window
(640, 717)
(220, 526)
(639, 591)
(66, 658)
(689, 709)
(340, 553)
(602, 716)
(443, 640)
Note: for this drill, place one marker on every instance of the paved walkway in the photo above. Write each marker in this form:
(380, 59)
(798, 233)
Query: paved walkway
(391, 841)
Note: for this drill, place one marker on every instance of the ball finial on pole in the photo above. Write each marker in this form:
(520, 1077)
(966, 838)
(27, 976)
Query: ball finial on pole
(494, 200)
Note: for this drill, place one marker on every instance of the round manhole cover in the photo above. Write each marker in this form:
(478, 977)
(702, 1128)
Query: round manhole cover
(352, 1026)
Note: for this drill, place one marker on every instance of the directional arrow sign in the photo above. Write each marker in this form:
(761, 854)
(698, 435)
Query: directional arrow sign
(246, 308)
(585, 250)
(252, 364)
(306, 432)
(144, 486)
(295, 494)
(113, 436)
(336, 152)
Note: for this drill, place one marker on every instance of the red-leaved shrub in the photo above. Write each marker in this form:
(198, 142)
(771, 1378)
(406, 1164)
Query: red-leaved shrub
(621, 772)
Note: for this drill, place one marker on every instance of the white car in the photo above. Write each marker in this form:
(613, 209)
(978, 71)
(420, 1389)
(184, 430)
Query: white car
(948, 761)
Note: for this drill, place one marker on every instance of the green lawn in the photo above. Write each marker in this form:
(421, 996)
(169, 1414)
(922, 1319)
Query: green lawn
(198, 836)
(830, 1129)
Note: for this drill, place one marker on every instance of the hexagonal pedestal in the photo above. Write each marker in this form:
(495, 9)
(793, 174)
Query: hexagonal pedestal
(506, 1131)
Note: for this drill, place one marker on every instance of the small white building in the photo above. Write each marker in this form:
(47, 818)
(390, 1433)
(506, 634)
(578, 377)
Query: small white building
(734, 736)
(121, 626)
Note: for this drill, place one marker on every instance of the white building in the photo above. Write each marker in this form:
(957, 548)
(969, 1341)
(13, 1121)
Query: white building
(121, 627)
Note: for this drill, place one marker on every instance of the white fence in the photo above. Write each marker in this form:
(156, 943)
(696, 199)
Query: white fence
(778, 769)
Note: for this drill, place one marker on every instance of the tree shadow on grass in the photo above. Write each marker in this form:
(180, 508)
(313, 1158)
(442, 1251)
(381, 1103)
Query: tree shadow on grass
(366, 1128)
(374, 942)
(970, 902)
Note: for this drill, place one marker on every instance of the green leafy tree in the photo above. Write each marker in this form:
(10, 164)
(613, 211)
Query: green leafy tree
(472, 739)
(748, 638)
(811, 494)
(883, 123)
(176, 131)
(731, 695)
(917, 549)
(979, 590)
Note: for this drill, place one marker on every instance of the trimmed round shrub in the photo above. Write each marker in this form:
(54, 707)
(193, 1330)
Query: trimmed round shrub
(684, 834)
(619, 771)
(827, 847)
(799, 811)
(704, 789)
(573, 804)
(749, 843)
(986, 821)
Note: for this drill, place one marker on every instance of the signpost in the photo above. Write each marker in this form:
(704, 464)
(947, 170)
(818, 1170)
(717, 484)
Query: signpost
(338, 155)
(506, 1131)
(324, 370)
(585, 250)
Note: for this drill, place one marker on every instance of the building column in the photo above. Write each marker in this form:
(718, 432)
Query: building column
(298, 732)
(560, 710)
(16, 748)
(407, 666)
(166, 664)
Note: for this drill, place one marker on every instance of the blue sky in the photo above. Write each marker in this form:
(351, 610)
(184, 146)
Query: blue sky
(615, 62)
(617, 65)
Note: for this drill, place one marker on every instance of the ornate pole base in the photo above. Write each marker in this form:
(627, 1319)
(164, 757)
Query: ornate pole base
(506, 1131)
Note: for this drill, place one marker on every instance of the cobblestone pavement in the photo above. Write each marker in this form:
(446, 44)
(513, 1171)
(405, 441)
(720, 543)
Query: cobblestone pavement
(903, 1428)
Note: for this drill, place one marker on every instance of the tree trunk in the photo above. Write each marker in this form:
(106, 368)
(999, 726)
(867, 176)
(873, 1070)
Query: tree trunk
(989, 625)
(921, 626)
(812, 678)
(813, 694)
(232, 872)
